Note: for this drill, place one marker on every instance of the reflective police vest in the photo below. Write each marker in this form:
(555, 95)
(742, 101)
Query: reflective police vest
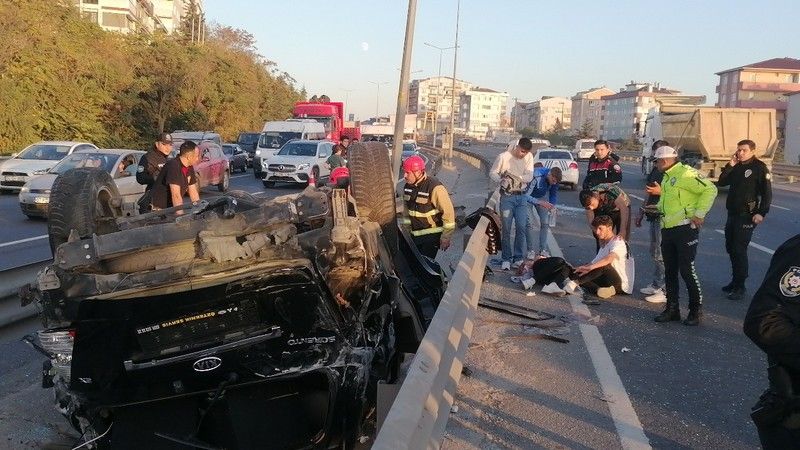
(425, 218)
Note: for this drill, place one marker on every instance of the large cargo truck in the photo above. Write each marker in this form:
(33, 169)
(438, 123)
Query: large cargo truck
(330, 114)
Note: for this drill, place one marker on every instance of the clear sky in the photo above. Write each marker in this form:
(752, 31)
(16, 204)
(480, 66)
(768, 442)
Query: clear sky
(526, 48)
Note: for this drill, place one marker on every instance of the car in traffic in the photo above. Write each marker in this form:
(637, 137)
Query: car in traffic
(563, 159)
(36, 159)
(196, 136)
(241, 323)
(584, 149)
(120, 164)
(298, 161)
(466, 142)
(248, 141)
(237, 158)
(213, 168)
(278, 132)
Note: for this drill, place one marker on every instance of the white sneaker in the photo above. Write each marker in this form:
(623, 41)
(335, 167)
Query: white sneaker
(553, 289)
(531, 255)
(570, 287)
(606, 292)
(528, 283)
(649, 290)
(506, 266)
(517, 264)
(544, 254)
(657, 297)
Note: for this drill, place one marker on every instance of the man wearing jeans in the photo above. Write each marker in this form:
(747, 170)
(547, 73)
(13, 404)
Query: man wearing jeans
(655, 290)
(545, 183)
(513, 169)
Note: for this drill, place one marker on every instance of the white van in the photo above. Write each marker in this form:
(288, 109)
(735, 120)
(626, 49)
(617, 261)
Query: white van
(279, 132)
(584, 149)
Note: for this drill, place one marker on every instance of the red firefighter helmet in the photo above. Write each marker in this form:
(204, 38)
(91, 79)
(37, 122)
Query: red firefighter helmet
(414, 163)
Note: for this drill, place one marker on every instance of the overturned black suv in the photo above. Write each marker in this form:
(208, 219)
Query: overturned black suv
(234, 323)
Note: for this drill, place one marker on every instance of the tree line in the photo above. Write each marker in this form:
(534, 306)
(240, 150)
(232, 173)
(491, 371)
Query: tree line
(64, 78)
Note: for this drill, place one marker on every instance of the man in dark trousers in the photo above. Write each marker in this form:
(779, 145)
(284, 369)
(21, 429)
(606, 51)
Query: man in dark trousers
(603, 166)
(428, 208)
(748, 202)
(150, 165)
(773, 324)
(177, 179)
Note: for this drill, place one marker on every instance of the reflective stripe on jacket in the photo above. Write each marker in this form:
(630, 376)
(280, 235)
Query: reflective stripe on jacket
(684, 194)
(428, 208)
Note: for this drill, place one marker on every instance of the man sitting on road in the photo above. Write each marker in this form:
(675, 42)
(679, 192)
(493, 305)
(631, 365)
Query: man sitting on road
(608, 200)
(177, 179)
(545, 182)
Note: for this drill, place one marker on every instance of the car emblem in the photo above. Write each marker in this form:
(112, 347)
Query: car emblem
(280, 168)
(207, 364)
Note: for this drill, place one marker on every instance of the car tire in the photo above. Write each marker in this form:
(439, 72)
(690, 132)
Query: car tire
(79, 200)
(372, 186)
(226, 180)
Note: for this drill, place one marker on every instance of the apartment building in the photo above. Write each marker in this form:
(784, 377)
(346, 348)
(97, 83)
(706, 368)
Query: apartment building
(587, 109)
(430, 98)
(126, 16)
(546, 114)
(519, 116)
(624, 113)
(482, 110)
(760, 85)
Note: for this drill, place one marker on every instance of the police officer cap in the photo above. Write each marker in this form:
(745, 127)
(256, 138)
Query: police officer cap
(665, 152)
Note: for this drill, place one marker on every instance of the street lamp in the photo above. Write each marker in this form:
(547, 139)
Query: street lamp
(346, 101)
(438, 87)
(378, 94)
(453, 100)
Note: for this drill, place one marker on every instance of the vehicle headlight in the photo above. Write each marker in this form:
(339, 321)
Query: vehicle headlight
(303, 166)
(258, 152)
(24, 189)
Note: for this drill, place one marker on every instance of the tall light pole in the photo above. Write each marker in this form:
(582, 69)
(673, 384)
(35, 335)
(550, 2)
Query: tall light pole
(346, 101)
(377, 95)
(402, 91)
(438, 86)
(453, 100)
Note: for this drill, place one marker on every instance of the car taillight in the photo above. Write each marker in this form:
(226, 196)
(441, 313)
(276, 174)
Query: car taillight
(58, 343)
(573, 165)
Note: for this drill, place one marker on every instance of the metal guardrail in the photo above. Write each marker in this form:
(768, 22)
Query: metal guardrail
(11, 281)
(419, 414)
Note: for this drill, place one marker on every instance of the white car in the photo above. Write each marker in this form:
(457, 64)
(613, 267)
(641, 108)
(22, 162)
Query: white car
(552, 157)
(36, 159)
(34, 197)
(297, 162)
(584, 149)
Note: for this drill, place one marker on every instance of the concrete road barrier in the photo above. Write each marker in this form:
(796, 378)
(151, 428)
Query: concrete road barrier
(10, 282)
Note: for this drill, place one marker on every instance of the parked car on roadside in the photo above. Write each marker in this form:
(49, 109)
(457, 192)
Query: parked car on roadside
(551, 157)
(196, 136)
(248, 141)
(35, 159)
(213, 168)
(237, 158)
(121, 164)
(297, 162)
(584, 149)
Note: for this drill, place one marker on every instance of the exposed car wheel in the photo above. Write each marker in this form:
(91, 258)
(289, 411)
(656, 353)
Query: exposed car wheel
(372, 186)
(80, 200)
(226, 180)
(269, 184)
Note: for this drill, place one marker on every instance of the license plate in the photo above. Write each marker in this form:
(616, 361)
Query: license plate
(14, 178)
(41, 200)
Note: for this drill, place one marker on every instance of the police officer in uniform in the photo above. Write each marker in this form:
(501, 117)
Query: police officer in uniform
(428, 210)
(686, 198)
(150, 165)
(603, 166)
(748, 203)
(773, 324)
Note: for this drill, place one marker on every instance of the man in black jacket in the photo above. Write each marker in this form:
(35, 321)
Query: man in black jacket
(603, 166)
(748, 203)
(150, 165)
(773, 324)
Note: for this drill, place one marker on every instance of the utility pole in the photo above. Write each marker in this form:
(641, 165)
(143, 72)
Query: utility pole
(453, 99)
(346, 100)
(377, 95)
(402, 91)
(438, 87)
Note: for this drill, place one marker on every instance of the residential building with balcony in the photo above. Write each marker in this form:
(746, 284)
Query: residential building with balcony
(482, 110)
(587, 109)
(126, 16)
(760, 85)
(623, 114)
(548, 113)
(431, 99)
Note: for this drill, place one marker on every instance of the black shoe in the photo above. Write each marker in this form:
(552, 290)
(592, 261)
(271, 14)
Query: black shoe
(728, 287)
(693, 318)
(737, 293)
(670, 314)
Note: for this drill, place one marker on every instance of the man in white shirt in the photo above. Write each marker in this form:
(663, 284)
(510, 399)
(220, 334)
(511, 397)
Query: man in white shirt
(513, 169)
(605, 276)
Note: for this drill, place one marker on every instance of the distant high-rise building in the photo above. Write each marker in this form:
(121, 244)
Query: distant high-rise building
(548, 114)
(482, 110)
(587, 108)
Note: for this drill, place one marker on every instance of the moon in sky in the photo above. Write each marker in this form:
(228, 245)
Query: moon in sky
(365, 46)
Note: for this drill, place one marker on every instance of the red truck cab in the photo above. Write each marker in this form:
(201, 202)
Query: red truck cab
(330, 115)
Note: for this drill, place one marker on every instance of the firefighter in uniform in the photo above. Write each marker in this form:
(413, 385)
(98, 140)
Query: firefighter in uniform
(150, 165)
(428, 210)
(748, 203)
(773, 324)
(686, 198)
(603, 166)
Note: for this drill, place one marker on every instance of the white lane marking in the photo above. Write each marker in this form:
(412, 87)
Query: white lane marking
(772, 205)
(754, 245)
(240, 175)
(21, 241)
(636, 197)
(569, 208)
(626, 421)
